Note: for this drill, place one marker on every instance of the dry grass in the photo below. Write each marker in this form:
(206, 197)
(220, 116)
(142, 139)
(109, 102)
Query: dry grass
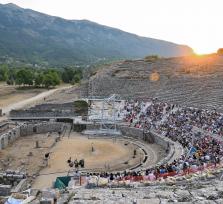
(12, 94)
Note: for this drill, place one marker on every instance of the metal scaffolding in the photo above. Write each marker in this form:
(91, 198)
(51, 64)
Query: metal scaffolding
(108, 125)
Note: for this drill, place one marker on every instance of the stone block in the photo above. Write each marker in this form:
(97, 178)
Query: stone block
(5, 190)
(47, 201)
(150, 201)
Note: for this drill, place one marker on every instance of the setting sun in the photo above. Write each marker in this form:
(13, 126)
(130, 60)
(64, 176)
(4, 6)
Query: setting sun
(201, 50)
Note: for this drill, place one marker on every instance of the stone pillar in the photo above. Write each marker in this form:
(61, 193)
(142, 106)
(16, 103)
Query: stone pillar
(2, 143)
(37, 144)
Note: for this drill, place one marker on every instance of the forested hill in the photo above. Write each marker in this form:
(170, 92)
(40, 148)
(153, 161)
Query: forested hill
(35, 37)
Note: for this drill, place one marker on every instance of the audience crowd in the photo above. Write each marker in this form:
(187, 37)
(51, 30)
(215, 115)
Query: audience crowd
(193, 128)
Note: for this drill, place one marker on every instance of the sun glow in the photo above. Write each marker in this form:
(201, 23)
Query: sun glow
(201, 52)
(204, 49)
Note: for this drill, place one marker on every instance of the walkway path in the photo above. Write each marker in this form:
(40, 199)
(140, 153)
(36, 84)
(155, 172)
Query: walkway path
(29, 101)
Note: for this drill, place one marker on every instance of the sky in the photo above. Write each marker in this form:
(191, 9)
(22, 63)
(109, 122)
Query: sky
(197, 23)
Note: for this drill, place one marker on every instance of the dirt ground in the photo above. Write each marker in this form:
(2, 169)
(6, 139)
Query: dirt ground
(10, 94)
(108, 155)
(13, 98)
(80, 147)
(65, 95)
(22, 153)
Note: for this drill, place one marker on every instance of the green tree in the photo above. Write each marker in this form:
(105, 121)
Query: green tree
(70, 75)
(67, 75)
(76, 79)
(4, 72)
(24, 77)
(11, 76)
(51, 79)
(39, 77)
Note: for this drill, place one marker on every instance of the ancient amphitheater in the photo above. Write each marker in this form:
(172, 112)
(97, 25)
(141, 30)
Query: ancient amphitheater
(189, 81)
(148, 132)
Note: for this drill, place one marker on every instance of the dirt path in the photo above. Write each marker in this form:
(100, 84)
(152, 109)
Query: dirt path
(32, 100)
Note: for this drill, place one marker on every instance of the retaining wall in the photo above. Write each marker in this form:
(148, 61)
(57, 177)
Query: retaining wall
(9, 137)
(4, 127)
(147, 136)
(41, 113)
(28, 129)
(174, 149)
(66, 110)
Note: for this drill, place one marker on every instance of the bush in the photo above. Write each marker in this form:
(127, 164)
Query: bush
(10, 82)
(151, 58)
(51, 79)
(81, 107)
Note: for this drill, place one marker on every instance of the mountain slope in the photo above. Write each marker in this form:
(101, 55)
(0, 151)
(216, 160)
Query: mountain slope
(37, 37)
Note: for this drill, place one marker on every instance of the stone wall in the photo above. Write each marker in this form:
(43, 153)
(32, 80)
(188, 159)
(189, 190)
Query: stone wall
(41, 113)
(137, 133)
(53, 106)
(9, 137)
(3, 127)
(5, 190)
(28, 129)
(174, 149)
(46, 110)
